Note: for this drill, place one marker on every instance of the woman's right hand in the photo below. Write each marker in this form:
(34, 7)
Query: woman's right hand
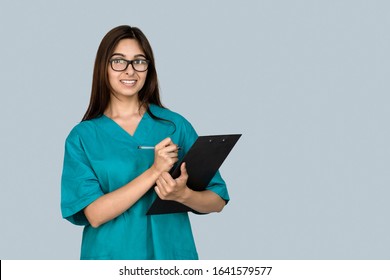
(165, 155)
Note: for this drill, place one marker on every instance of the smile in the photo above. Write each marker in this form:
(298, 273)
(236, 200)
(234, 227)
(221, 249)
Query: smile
(128, 82)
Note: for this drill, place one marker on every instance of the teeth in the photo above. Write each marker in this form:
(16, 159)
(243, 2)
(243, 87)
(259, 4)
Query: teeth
(128, 82)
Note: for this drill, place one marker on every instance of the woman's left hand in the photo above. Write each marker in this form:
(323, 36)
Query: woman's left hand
(172, 189)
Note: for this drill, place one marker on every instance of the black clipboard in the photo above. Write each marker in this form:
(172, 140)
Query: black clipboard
(202, 160)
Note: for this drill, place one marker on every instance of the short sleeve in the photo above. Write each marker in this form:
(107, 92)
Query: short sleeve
(218, 185)
(79, 184)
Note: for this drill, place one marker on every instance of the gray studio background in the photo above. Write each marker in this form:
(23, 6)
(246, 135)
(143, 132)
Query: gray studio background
(305, 82)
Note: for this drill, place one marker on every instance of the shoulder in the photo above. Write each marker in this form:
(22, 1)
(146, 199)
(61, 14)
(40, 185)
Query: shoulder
(182, 125)
(84, 129)
(167, 114)
(183, 128)
(164, 112)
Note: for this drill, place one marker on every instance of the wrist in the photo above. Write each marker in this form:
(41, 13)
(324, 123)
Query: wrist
(186, 195)
(155, 173)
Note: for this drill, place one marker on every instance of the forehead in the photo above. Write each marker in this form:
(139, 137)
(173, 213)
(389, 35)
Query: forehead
(129, 48)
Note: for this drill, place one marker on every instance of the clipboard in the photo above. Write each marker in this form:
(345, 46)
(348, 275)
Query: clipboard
(202, 160)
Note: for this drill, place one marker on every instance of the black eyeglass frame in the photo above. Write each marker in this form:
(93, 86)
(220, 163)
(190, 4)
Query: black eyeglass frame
(128, 62)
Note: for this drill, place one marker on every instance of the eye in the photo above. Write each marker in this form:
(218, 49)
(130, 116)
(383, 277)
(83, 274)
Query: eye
(140, 62)
(118, 61)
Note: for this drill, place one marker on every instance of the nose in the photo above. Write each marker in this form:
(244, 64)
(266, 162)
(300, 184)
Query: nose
(129, 70)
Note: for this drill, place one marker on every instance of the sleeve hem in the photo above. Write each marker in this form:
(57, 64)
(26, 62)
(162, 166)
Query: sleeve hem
(70, 213)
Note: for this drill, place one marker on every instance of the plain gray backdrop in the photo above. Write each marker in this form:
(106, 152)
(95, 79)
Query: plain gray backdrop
(305, 82)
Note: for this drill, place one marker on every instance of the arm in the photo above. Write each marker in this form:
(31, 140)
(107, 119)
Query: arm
(176, 189)
(113, 204)
(203, 201)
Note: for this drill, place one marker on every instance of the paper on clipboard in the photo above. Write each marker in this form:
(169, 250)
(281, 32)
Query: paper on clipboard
(202, 160)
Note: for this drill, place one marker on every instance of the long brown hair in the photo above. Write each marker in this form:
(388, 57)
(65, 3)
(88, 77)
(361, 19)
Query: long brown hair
(100, 92)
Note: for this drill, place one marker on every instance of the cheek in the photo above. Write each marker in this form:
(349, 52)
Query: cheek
(143, 79)
(112, 78)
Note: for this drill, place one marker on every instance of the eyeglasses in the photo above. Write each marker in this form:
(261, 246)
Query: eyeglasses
(121, 64)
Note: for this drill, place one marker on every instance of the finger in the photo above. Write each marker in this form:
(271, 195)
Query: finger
(166, 142)
(183, 168)
(171, 148)
(160, 188)
(172, 162)
(173, 156)
(167, 179)
(162, 153)
(183, 173)
(159, 194)
(166, 150)
(161, 182)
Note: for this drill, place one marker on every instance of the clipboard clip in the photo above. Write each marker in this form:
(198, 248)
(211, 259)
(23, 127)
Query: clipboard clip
(221, 140)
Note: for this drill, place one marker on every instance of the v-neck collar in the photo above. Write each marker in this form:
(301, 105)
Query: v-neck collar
(141, 132)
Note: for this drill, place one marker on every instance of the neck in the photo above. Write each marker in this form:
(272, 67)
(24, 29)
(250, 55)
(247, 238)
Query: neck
(118, 108)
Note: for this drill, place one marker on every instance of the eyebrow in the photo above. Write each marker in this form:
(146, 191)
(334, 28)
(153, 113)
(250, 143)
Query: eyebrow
(122, 55)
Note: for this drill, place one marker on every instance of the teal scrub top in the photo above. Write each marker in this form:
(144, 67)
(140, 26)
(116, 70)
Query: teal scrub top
(101, 157)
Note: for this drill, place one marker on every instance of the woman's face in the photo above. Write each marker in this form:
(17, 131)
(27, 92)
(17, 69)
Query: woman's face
(128, 82)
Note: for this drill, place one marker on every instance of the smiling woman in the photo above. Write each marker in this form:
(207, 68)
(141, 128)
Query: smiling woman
(108, 184)
(127, 81)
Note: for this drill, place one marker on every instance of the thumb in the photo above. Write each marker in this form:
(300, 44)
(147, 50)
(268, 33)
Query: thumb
(183, 171)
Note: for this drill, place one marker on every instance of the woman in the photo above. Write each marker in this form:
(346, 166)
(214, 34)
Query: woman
(108, 183)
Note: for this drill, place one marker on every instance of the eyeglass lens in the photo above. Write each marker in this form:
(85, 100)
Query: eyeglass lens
(122, 64)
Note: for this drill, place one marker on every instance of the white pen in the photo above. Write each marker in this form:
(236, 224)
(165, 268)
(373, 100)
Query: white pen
(150, 148)
(145, 147)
